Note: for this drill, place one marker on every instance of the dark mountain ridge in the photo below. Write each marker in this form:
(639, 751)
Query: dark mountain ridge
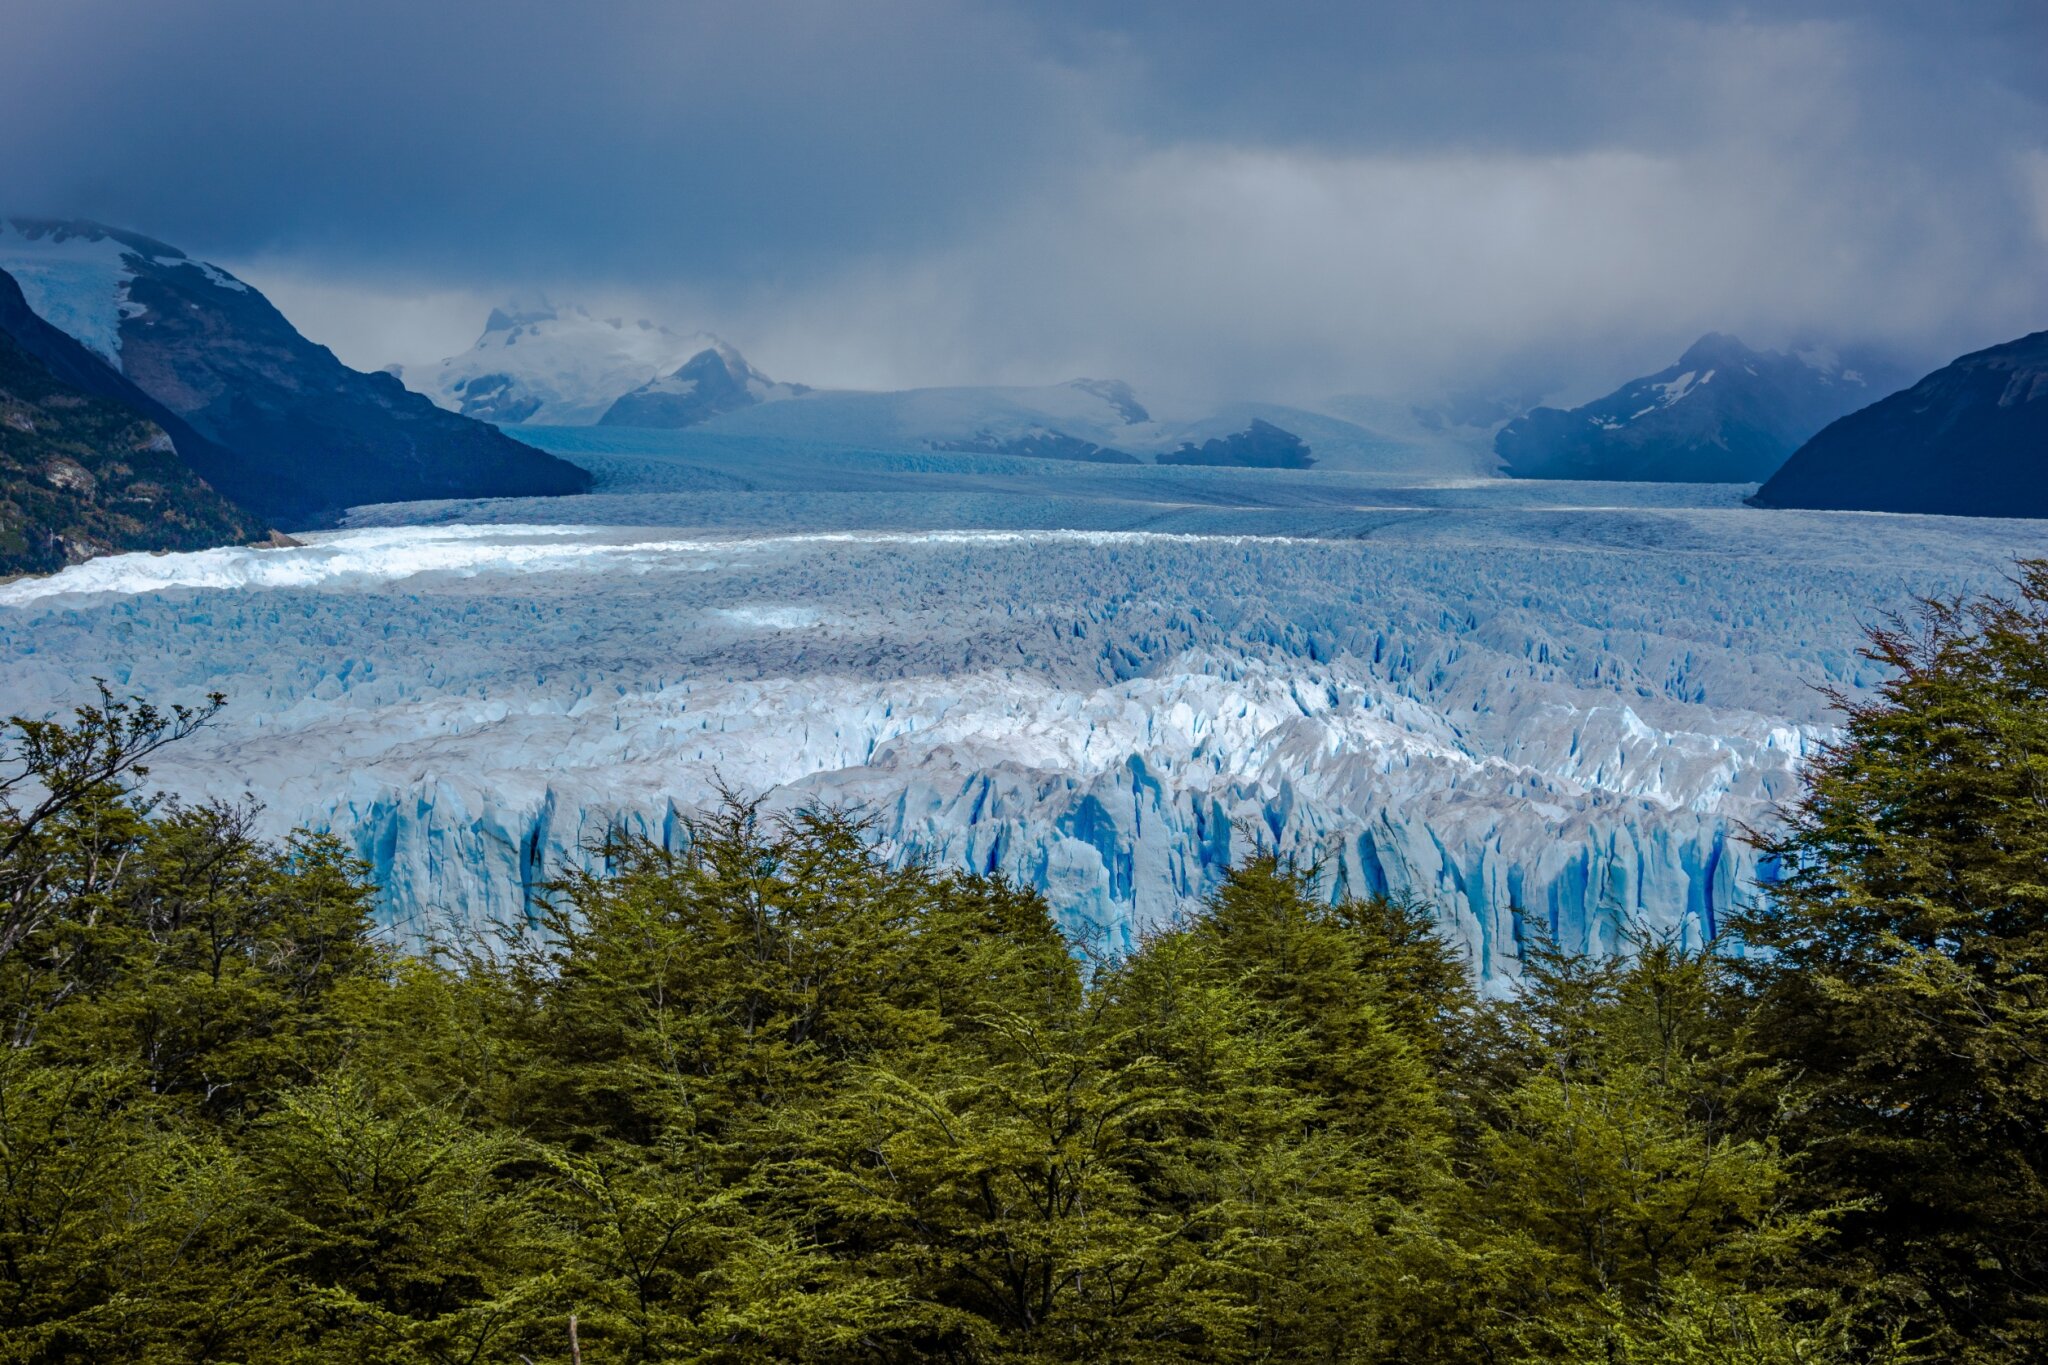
(299, 435)
(1723, 414)
(1259, 446)
(1970, 439)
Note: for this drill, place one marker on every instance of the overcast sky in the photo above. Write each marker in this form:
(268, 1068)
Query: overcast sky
(1212, 201)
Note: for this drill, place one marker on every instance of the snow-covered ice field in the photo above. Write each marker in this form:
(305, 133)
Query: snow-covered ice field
(1526, 702)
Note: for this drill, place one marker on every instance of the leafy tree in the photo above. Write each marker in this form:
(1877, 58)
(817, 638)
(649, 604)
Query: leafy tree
(1304, 1037)
(404, 1233)
(57, 770)
(770, 1098)
(1900, 978)
(1616, 1170)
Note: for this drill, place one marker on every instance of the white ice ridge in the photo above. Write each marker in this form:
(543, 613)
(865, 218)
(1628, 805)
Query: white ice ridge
(383, 555)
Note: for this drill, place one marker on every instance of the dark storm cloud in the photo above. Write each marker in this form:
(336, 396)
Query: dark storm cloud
(1252, 198)
(648, 136)
(1548, 77)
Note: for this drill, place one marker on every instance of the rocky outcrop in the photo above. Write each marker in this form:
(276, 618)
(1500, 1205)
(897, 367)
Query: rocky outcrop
(1259, 446)
(82, 474)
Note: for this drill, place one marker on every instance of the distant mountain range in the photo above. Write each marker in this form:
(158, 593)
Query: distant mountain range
(560, 366)
(550, 365)
(1078, 419)
(1970, 439)
(1095, 421)
(286, 429)
(156, 401)
(1723, 414)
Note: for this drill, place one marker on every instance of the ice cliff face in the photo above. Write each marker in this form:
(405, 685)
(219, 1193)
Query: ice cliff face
(1521, 715)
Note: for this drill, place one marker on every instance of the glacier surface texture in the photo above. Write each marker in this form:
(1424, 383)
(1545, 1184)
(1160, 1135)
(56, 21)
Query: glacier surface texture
(1538, 706)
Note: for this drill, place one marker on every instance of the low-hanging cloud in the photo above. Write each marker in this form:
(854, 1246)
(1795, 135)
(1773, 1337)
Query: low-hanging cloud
(1325, 198)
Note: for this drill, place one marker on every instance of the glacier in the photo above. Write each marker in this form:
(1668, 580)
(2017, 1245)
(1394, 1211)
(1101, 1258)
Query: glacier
(1542, 708)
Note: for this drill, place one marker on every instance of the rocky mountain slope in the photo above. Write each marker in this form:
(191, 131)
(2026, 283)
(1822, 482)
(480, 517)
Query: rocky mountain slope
(1723, 414)
(304, 435)
(89, 371)
(1971, 439)
(82, 474)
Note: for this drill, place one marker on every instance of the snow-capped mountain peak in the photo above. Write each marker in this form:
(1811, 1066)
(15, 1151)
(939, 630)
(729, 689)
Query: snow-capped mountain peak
(716, 380)
(1724, 413)
(541, 362)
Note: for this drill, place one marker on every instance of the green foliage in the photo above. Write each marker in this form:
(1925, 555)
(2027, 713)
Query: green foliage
(1614, 1166)
(769, 1098)
(1904, 991)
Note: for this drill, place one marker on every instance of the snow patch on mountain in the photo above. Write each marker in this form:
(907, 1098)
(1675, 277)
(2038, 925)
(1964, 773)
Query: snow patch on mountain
(76, 283)
(1674, 390)
(75, 275)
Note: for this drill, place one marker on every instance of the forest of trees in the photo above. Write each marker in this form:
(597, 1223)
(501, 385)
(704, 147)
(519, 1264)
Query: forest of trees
(772, 1099)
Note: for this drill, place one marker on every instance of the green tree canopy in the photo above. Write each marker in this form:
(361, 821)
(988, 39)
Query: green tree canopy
(1898, 976)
